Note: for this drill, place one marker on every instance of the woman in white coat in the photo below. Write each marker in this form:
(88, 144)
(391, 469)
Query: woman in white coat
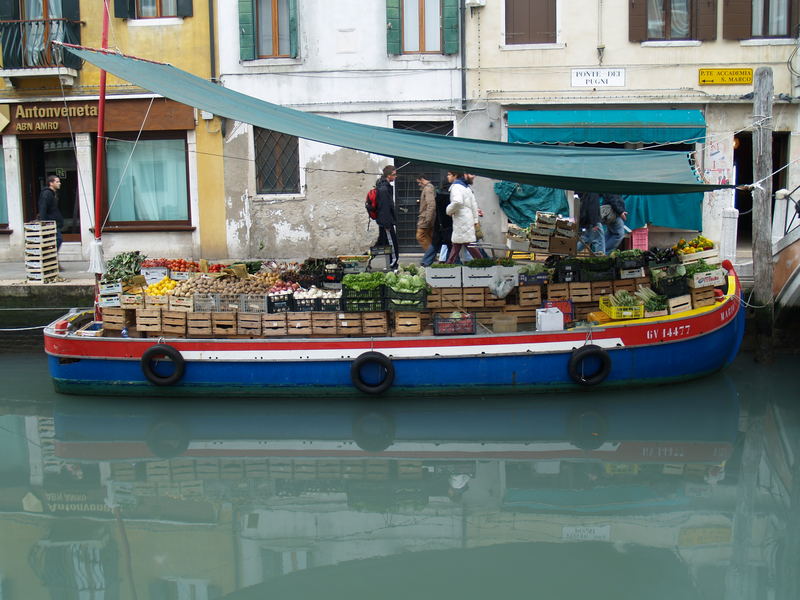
(464, 210)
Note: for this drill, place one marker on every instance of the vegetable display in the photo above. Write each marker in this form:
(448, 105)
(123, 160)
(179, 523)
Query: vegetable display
(362, 282)
(123, 266)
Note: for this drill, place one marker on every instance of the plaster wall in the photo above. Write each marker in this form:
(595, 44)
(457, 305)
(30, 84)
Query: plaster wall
(343, 71)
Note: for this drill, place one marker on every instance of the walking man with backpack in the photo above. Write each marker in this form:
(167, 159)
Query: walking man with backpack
(385, 218)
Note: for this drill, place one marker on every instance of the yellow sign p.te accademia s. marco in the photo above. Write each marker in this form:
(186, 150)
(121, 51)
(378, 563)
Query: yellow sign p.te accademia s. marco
(725, 76)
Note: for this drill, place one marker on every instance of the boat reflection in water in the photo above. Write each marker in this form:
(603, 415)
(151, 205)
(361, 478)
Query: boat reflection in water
(625, 495)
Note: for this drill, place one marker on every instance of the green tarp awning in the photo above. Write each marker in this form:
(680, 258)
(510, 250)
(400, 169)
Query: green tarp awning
(594, 126)
(573, 168)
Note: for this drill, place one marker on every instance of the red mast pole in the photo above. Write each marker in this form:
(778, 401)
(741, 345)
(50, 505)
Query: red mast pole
(101, 136)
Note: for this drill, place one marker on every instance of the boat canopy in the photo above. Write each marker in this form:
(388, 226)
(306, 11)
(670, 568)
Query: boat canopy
(583, 169)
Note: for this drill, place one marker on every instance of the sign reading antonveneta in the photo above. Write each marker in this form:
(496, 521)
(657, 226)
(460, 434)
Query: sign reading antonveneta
(37, 118)
(48, 118)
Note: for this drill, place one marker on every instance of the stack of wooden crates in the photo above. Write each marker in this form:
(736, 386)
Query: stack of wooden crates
(41, 251)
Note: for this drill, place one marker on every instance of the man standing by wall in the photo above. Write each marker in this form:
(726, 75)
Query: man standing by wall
(386, 217)
(48, 206)
(426, 219)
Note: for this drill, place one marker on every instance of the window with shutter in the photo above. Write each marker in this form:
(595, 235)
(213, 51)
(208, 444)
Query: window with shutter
(152, 9)
(746, 19)
(267, 29)
(657, 20)
(530, 22)
(422, 26)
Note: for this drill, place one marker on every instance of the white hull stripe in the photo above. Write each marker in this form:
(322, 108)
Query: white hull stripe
(415, 352)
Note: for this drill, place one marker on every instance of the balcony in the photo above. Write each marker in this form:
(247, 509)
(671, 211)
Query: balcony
(27, 51)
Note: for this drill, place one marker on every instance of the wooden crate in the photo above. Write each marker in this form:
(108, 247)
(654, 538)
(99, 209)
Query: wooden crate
(198, 324)
(131, 300)
(35, 228)
(703, 296)
(181, 303)
(631, 273)
(348, 323)
(492, 301)
(524, 314)
(558, 291)
(529, 295)
(473, 297)
(41, 270)
(582, 310)
(645, 281)
(329, 469)
(161, 302)
(173, 322)
(679, 304)
(539, 242)
(41, 252)
(708, 279)
(148, 319)
(601, 288)
(117, 319)
(323, 323)
(624, 284)
(445, 298)
(710, 256)
(580, 292)
(407, 323)
(248, 323)
(298, 323)
(273, 324)
(223, 323)
(374, 323)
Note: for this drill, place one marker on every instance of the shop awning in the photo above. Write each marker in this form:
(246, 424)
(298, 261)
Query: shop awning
(613, 170)
(606, 126)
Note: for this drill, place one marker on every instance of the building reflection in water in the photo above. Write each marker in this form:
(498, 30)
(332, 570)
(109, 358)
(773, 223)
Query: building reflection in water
(677, 489)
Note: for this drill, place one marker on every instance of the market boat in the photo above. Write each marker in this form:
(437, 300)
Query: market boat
(617, 353)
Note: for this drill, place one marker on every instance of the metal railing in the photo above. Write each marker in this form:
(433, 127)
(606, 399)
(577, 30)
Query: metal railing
(26, 44)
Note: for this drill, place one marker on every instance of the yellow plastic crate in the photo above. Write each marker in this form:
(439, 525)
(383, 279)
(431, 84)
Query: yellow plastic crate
(621, 312)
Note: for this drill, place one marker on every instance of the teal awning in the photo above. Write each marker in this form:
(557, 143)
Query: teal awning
(565, 167)
(606, 126)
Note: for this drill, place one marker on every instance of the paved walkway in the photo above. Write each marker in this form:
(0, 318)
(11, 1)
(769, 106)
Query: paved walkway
(72, 273)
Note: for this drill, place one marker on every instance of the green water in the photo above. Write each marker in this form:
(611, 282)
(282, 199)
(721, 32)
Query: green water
(682, 491)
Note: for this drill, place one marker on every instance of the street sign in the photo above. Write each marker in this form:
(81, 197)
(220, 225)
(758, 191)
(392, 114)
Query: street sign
(725, 76)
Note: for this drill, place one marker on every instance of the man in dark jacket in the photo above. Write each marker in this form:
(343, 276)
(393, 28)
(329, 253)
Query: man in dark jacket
(48, 206)
(387, 234)
(591, 229)
(615, 228)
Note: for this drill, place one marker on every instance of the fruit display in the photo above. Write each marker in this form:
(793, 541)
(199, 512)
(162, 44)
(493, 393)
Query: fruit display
(161, 288)
(185, 266)
(697, 244)
(155, 262)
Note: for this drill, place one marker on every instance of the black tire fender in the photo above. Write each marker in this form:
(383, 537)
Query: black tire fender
(167, 438)
(587, 428)
(575, 365)
(373, 430)
(382, 361)
(159, 351)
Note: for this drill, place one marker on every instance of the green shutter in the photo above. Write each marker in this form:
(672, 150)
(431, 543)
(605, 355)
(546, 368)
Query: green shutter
(184, 8)
(123, 9)
(293, 28)
(247, 30)
(393, 27)
(450, 26)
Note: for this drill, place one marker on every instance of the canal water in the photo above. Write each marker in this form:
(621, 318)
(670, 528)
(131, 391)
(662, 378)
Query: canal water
(684, 491)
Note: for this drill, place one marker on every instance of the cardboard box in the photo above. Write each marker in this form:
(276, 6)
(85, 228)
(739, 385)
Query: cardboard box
(549, 319)
(477, 277)
(449, 277)
(708, 279)
(504, 323)
(562, 245)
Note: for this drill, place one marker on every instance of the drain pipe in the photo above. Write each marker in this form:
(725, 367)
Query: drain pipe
(463, 52)
(212, 59)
